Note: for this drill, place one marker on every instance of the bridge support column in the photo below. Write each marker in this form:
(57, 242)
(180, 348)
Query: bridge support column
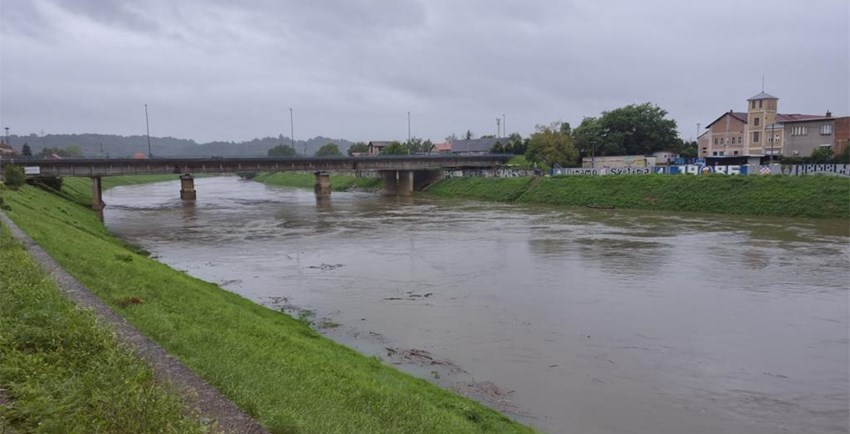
(97, 197)
(187, 187)
(397, 182)
(422, 179)
(323, 184)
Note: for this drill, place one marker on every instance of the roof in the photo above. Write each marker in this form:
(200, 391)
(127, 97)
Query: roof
(781, 118)
(741, 116)
(379, 144)
(477, 145)
(762, 95)
(443, 147)
(796, 117)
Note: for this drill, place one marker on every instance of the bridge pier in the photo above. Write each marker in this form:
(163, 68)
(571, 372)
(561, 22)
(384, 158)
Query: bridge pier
(323, 184)
(397, 182)
(187, 187)
(97, 197)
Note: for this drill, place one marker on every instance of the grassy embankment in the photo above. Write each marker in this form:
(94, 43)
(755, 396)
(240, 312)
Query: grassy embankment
(62, 372)
(304, 180)
(802, 196)
(275, 367)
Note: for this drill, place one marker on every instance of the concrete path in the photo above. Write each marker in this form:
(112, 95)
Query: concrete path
(195, 392)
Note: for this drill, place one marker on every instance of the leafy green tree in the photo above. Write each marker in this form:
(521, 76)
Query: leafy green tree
(26, 151)
(552, 145)
(417, 145)
(358, 147)
(14, 176)
(821, 155)
(394, 148)
(636, 129)
(67, 152)
(516, 144)
(468, 135)
(329, 150)
(282, 151)
(843, 157)
(685, 149)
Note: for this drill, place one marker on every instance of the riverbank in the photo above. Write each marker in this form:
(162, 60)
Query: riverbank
(273, 366)
(789, 196)
(60, 370)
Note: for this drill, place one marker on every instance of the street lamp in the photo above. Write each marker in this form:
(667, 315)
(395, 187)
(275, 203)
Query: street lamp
(148, 127)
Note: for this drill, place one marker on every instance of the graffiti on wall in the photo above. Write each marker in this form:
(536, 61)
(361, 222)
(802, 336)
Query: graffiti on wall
(700, 169)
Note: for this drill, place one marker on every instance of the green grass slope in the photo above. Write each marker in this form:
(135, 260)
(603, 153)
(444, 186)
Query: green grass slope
(812, 196)
(62, 372)
(276, 368)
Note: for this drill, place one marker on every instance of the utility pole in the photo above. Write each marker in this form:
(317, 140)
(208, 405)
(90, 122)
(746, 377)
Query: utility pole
(7, 136)
(408, 133)
(498, 128)
(148, 127)
(504, 125)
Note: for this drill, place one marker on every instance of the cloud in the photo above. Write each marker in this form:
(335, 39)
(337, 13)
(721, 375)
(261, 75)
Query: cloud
(231, 70)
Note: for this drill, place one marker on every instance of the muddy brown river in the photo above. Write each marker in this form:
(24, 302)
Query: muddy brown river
(571, 320)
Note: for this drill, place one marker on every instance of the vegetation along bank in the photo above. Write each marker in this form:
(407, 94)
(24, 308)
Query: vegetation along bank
(273, 366)
(60, 371)
(798, 196)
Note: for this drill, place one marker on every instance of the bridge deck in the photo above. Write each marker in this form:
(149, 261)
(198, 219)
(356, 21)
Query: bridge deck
(114, 167)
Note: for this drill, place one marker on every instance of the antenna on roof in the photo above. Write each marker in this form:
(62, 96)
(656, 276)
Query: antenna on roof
(762, 83)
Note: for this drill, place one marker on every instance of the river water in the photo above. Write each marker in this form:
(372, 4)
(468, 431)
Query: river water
(571, 320)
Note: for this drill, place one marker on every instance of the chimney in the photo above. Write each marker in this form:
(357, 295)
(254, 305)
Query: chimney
(828, 114)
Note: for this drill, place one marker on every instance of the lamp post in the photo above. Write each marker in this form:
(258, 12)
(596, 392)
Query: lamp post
(292, 132)
(408, 133)
(148, 127)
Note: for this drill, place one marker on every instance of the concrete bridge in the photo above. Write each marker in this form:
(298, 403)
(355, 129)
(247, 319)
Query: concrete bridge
(402, 174)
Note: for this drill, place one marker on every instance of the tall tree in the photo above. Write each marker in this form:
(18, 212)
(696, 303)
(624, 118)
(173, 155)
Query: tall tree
(417, 145)
(637, 129)
(552, 145)
(26, 151)
(358, 147)
(394, 148)
(329, 150)
(282, 151)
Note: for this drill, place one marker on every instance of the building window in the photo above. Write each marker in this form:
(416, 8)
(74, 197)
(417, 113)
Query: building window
(756, 137)
(799, 131)
(739, 140)
(760, 103)
(756, 121)
(753, 104)
(714, 153)
(735, 153)
(825, 129)
(715, 140)
(721, 153)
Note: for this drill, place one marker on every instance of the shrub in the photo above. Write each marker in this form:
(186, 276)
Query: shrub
(54, 183)
(14, 176)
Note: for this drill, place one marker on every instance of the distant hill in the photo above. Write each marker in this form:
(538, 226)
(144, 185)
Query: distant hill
(114, 146)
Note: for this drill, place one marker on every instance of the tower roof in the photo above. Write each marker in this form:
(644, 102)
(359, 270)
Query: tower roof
(762, 95)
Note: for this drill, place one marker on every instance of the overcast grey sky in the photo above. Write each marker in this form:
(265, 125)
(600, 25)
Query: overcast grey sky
(230, 70)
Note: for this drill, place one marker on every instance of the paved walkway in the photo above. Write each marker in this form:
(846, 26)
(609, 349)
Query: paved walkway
(195, 392)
